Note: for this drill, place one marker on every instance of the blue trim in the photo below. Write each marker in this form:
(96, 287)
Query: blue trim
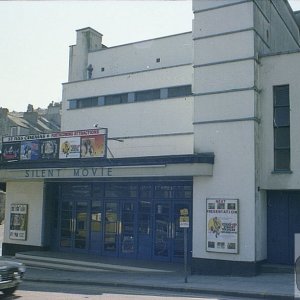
(204, 158)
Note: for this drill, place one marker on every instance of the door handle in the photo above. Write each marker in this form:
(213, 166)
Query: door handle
(120, 227)
(74, 225)
(170, 230)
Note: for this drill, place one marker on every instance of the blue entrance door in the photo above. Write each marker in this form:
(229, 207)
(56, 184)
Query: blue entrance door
(145, 229)
(120, 228)
(168, 238)
(283, 223)
(74, 227)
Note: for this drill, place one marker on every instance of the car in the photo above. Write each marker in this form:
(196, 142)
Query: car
(11, 274)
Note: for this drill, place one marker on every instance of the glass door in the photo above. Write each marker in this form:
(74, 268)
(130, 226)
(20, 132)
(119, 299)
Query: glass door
(74, 225)
(162, 231)
(127, 232)
(96, 222)
(168, 239)
(120, 228)
(111, 228)
(145, 230)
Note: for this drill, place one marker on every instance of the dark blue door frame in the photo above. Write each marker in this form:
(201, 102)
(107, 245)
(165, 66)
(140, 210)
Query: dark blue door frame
(142, 227)
(74, 225)
(283, 222)
(120, 237)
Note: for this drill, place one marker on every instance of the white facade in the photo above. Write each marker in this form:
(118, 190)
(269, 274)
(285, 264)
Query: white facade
(235, 56)
(31, 194)
(147, 128)
(271, 73)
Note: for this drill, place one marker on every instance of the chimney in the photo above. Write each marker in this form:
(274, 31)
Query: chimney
(3, 112)
(30, 115)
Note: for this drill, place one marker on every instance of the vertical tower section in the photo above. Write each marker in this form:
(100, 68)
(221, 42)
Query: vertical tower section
(225, 121)
(87, 40)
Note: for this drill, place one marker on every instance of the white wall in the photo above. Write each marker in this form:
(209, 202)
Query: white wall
(276, 27)
(224, 115)
(234, 177)
(172, 51)
(34, 197)
(207, 4)
(278, 70)
(222, 20)
(227, 47)
(158, 127)
(125, 83)
(222, 77)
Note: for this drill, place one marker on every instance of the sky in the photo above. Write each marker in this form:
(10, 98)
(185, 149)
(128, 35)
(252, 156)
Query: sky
(35, 37)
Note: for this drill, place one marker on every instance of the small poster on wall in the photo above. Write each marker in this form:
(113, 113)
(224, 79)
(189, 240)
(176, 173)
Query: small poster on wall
(18, 221)
(222, 225)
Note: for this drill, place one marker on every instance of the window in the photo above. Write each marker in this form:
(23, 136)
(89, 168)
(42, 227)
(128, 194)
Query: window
(87, 102)
(179, 91)
(147, 95)
(13, 130)
(123, 190)
(116, 99)
(73, 104)
(281, 126)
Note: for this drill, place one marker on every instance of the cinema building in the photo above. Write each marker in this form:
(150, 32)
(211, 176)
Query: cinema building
(197, 130)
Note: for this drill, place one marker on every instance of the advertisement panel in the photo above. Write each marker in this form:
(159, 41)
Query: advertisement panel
(18, 221)
(222, 225)
(69, 147)
(29, 150)
(92, 146)
(11, 151)
(49, 149)
(89, 143)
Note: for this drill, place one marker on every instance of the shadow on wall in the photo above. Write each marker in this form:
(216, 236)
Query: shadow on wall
(2, 206)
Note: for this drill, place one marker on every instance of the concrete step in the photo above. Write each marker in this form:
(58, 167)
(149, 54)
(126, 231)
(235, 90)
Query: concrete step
(78, 265)
(274, 268)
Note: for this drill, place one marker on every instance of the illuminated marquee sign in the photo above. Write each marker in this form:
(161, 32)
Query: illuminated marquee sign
(90, 143)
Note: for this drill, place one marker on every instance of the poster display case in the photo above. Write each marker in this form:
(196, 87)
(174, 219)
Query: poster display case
(222, 225)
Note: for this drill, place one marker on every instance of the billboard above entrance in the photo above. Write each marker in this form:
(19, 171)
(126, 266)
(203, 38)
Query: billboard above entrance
(89, 143)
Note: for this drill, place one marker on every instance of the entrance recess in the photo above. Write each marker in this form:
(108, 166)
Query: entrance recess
(132, 220)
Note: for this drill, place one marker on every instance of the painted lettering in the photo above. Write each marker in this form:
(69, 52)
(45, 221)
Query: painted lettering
(43, 173)
(85, 172)
(77, 172)
(94, 171)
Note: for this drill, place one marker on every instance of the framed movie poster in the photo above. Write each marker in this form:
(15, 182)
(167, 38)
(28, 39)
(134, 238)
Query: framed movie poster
(222, 220)
(11, 151)
(49, 149)
(29, 150)
(18, 222)
(69, 147)
(93, 146)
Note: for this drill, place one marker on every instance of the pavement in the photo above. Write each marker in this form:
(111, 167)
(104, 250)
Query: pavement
(92, 270)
